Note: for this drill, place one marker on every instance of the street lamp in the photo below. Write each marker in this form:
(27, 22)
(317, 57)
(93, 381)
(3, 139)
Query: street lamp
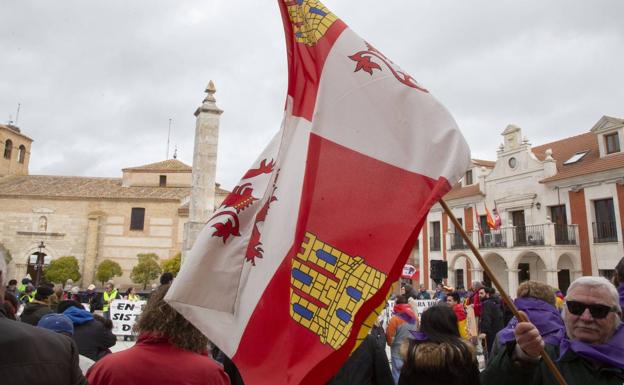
(39, 263)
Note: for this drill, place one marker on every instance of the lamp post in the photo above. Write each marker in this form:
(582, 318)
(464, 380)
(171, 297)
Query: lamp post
(39, 263)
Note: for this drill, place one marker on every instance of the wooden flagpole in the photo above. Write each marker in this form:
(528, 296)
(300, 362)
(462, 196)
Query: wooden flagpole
(458, 227)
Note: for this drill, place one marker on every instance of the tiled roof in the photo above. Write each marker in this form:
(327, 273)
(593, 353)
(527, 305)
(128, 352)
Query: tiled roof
(458, 192)
(169, 165)
(484, 163)
(589, 164)
(72, 187)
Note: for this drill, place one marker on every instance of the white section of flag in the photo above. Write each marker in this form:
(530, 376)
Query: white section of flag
(380, 117)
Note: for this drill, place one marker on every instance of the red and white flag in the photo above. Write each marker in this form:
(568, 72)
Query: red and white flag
(307, 246)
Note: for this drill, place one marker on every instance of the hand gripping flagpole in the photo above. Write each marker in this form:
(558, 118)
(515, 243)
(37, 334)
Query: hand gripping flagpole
(520, 316)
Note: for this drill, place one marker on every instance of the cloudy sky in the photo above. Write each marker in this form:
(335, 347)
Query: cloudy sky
(99, 81)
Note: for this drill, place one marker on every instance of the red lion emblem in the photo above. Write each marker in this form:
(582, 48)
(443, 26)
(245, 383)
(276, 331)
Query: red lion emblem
(238, 200)
(364, 62)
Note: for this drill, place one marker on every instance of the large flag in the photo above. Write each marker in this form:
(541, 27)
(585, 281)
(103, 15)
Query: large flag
(306, 247)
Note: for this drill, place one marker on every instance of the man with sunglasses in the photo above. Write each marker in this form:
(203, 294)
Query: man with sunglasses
(592, 352)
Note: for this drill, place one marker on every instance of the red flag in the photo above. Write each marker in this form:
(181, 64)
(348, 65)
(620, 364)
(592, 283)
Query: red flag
(287, 274)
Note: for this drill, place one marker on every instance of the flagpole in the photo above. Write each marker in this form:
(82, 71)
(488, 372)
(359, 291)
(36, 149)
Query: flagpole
(549, 362)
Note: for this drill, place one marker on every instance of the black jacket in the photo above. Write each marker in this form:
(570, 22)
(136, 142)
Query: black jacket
(368, 365)
(491, 321)
(33, 311)
(32, 356)
(93, 339)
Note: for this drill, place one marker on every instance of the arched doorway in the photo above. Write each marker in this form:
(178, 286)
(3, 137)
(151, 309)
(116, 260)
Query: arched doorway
(499, 268)
(564, 272)
(531, 267)
(461, 272)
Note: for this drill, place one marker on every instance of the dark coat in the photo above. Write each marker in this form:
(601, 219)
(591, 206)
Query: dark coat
(32, 356)
(429, 369)
(33, 311)
(93, 339)
(491, 321)
(368, 365)
(575, 370)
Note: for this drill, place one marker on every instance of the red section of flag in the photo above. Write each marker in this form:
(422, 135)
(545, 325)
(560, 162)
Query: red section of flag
(358, 205)
(305, 64)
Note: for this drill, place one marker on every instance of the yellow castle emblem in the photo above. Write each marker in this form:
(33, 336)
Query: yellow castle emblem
(328, 287)
(310, 20)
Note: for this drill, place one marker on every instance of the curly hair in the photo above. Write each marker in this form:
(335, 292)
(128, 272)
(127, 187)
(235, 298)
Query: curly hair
(537, 290)
(160, 318)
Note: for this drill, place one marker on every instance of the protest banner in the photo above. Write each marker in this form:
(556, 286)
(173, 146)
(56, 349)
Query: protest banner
(424, 304)
(124, 315)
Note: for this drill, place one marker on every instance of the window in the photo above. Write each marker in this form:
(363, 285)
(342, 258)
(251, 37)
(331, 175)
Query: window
(8, 147)
(434, 240)
(604, 226)
(468, 178)
(612, 143)
(576, 157)
(21, 154)
(163, 181)
(137, 218)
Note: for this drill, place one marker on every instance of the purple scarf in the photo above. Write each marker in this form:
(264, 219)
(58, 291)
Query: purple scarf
(419, 336)
(543, 315)
(621, 290)
(610, 353)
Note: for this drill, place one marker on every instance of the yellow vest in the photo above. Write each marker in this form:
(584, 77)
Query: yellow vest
(108, 298)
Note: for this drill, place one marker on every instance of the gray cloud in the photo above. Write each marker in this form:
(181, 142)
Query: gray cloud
(98, 82)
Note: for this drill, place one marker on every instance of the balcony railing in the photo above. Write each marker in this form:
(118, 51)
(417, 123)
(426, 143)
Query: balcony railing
(565, 235)
(532, 235)
(434, 243)
(604, 232)
(493, 239)
(457, 242)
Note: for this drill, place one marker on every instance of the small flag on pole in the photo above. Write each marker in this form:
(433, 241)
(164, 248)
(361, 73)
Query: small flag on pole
(288, 272)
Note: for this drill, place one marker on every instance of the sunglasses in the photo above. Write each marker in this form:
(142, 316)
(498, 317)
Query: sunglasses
(596, 310)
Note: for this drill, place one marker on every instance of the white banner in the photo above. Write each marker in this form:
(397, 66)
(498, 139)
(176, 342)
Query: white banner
(124, 314)
(424, 304)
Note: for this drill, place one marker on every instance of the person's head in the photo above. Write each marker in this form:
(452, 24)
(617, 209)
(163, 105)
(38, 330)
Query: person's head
(159, 317)
(58, 323)
(618, 278)
(109, 286)
(91, 288)
(482, 293)
(401, 299)
(452, 299)
(408, 289)
(12, 284)
(592, 310)
(538, 290)
(43, 293)
(439, 322)
(422, 287)
(64, 305)
(166, 278)
(130, 290)
(439, 287)
(476, 285)
(402, 290)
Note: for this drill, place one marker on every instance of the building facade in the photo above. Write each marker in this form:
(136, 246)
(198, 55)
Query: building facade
(561, 207)
(45, 217)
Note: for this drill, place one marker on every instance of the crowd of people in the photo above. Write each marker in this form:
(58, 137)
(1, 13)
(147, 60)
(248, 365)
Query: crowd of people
(56, 340)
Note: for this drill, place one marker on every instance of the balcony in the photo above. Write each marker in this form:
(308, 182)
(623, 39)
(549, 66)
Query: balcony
(541, 235)
(458, 243)
(434, 243)
(565, 234)
(604, 232)
(532, 235)
(493, 239)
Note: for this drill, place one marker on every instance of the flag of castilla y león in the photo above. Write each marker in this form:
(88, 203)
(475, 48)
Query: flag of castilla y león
(289, 271)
